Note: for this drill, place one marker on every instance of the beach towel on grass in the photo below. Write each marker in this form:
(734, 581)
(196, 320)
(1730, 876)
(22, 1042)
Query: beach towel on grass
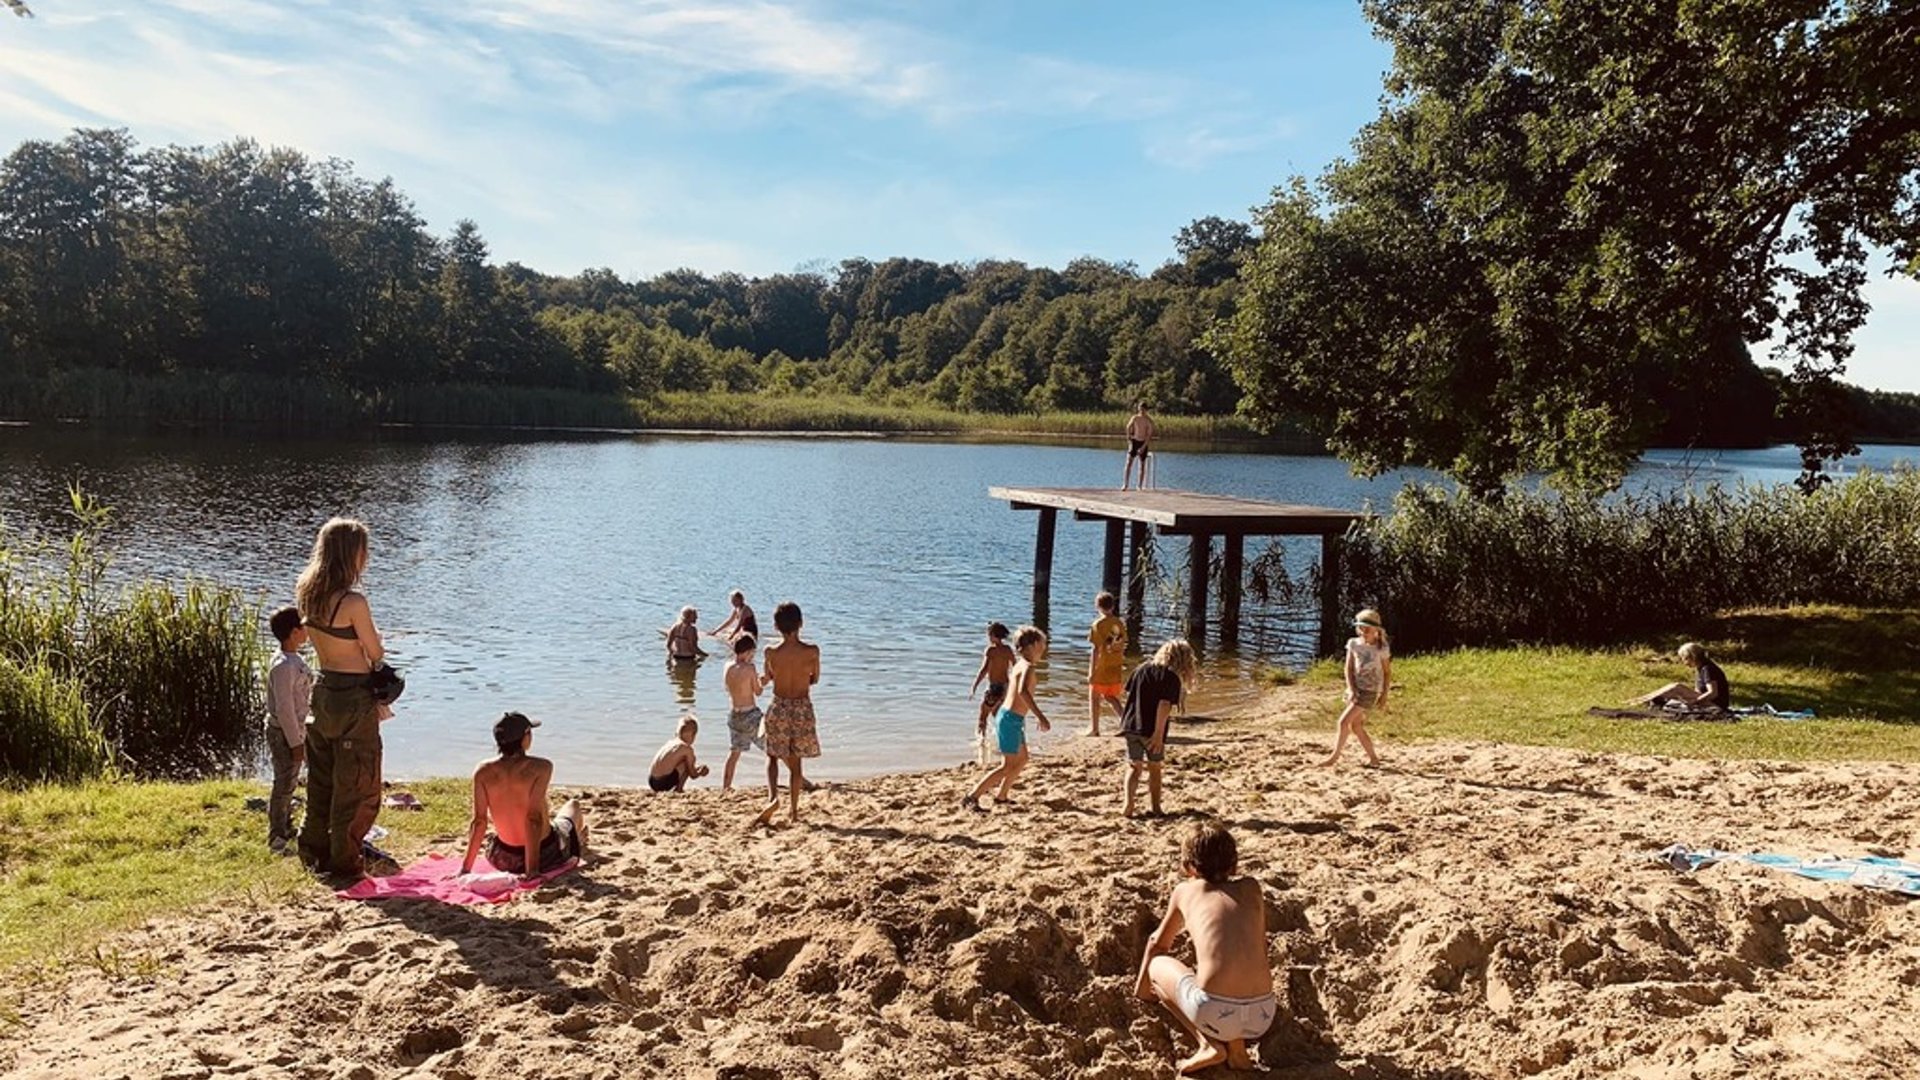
(1866, 872)
(437, 877)
(1711, 714)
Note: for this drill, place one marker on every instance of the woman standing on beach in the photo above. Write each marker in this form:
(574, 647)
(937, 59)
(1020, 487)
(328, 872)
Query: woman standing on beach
(343, 741)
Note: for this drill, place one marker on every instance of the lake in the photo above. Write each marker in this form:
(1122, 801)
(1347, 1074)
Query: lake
(535, 574)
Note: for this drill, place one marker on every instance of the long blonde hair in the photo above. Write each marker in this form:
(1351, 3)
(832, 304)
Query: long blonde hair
(333, 568)
(1178, 655)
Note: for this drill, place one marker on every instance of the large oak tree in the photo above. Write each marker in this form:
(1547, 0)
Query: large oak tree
(1566, 208)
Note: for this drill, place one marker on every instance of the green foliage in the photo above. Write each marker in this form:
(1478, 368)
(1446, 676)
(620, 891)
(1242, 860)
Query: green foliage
(153, 680)
(1566, 212)
(323, 295)
(48, 734)
(1451, 570)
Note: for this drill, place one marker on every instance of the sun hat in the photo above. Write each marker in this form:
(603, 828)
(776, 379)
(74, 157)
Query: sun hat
(1368, 618)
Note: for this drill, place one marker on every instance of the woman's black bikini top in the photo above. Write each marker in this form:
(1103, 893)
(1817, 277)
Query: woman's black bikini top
(344, 633)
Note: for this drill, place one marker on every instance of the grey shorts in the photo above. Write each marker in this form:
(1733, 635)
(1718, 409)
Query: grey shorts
(1139, 750)
(743, 730)
(1366, 699)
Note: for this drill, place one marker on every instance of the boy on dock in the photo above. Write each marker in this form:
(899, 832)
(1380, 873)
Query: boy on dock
(743, 721)
(1107, 669)
(289, 699)
(1031, 644)
(1139, 445)
(1226, 1000)
(792, 734)
(674, 765)
(995, 664)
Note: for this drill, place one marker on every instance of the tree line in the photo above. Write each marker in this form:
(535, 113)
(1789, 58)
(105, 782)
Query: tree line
(244, 259)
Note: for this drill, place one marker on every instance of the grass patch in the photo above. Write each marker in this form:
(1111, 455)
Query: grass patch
(1859, 669)
(78, 864)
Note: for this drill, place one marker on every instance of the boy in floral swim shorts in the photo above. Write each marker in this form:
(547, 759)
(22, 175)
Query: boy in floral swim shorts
(793, 666)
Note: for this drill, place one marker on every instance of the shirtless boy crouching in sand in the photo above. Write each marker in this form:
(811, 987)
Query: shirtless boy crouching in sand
(1229, 1001)
(512, 791)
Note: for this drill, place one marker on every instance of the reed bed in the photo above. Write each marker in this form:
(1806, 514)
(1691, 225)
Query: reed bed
(1543, 568)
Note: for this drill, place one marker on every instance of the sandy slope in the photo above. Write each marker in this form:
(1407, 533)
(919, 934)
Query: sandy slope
(1473, 910)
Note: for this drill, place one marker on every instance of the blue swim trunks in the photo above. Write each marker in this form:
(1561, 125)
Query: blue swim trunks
(1013, 732)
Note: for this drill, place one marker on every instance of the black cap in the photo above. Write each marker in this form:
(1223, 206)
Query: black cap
(511, 728)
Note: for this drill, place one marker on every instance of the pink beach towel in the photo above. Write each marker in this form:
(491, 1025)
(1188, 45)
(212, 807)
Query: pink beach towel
(437, 877)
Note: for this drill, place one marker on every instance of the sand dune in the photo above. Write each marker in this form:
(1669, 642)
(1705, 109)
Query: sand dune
(1473, 910)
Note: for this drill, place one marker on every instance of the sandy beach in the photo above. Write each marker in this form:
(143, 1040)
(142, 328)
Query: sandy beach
(1471, 910)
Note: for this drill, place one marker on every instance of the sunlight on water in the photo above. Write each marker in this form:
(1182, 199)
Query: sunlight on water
(535, 575)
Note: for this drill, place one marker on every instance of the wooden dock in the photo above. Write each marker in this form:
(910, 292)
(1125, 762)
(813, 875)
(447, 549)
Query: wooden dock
(1192, 514)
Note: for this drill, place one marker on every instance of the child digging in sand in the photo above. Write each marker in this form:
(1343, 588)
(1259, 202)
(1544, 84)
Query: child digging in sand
(1226, 999)
(1031, 644)
(995, 663)
(793, 666)
(1369, 673)
(674, 765)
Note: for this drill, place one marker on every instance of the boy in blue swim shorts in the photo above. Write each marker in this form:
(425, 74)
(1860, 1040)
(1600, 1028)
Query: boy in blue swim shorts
(1010, 730)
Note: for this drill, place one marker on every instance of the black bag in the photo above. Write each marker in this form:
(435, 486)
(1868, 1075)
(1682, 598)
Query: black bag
(385, 684)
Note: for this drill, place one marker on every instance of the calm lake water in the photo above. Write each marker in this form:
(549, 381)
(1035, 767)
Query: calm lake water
(534, 575)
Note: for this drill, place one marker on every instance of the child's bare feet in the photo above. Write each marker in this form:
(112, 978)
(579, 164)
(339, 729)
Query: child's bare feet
(1239, 1059)
(766, 816)
(1209, 1055)
(972, 804)
(1325, 762)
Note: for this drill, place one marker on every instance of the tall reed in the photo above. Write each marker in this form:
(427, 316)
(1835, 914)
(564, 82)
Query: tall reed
(154, 680)
(1449, 570)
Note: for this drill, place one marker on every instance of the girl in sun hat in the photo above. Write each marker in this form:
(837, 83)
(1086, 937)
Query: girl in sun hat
(1369, 673)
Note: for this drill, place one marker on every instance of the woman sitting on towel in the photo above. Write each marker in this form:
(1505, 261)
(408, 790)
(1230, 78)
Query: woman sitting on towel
(1709, 687)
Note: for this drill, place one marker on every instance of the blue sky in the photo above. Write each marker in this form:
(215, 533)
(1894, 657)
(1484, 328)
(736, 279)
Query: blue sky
(760, 135)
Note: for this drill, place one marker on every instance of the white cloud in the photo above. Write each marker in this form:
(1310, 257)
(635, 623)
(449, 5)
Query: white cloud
(1197, 147)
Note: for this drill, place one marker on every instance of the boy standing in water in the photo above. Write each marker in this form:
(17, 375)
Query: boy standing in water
(995, 663)
(743, 722)
(1228, 1001)
(1031, 644)
(793, 666)
(1107, 669)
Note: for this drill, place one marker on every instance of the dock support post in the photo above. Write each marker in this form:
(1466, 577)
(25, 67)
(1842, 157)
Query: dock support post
(1232, 570)
(1330, 627)
(1136, 580)
(1197, 588)
(1043, 564)
(1110, 567)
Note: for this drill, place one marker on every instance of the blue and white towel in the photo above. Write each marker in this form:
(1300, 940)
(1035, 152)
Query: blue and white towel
(1866, 872)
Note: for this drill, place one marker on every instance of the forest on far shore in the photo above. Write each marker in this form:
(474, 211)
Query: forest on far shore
(262, 262)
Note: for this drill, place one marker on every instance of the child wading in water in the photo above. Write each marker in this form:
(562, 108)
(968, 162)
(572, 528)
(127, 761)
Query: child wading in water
(1107, 669)
(995, 664)
(793, 666)
(743, 720)
(1031, 644)
(1228, 1001)
(1369, 671)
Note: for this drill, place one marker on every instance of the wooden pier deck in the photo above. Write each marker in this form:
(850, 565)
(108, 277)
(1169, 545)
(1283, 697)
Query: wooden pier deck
(1193, 514)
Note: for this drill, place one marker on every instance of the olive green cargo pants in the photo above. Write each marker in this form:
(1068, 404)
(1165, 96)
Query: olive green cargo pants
(343, 773)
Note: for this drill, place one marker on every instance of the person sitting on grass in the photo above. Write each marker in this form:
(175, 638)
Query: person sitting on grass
(511, 791)
(1709, 687)
(1226, 1000)
(674, 765)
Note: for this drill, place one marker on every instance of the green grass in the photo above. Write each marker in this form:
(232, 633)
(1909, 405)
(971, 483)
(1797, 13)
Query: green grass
(1858, 669)
(79, 864)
